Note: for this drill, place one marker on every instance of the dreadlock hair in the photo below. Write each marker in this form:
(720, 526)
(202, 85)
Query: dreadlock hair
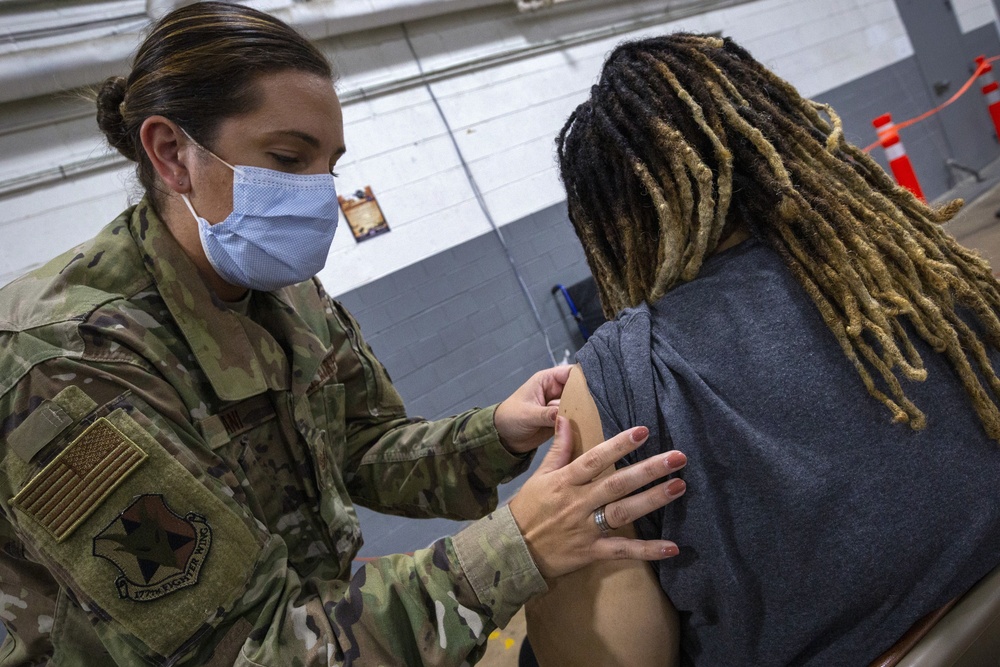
(687, 136)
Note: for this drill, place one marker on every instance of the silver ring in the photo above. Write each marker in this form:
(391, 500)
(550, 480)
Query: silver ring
(602, 521)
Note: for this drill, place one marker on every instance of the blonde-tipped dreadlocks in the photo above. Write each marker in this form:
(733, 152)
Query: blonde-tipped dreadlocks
(686, 133)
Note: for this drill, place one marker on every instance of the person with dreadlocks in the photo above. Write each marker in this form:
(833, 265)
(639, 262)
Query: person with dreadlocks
(814, 341)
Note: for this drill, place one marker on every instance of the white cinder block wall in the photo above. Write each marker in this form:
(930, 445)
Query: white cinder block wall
(505, 108)
(974, 14)
(505, 118)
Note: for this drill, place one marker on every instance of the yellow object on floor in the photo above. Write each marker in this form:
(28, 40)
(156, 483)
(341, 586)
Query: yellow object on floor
(504, 646)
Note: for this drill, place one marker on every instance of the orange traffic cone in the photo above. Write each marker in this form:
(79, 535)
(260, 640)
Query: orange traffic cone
(991, 91)
(900, 164)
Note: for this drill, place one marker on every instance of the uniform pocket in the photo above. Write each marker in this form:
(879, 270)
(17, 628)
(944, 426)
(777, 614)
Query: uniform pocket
(336, 428)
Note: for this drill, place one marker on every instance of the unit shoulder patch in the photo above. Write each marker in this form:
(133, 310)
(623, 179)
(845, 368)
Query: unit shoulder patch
(157, 550)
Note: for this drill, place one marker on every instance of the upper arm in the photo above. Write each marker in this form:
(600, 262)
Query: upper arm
(610, 612)
(578, 406)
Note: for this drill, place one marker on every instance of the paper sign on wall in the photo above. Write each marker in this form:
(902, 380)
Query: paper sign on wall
(363, 214)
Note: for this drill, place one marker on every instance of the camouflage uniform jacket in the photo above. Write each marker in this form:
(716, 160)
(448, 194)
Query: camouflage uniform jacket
(178, 478)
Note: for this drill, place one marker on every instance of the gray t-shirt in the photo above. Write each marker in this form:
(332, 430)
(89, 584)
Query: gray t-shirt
(814, 530)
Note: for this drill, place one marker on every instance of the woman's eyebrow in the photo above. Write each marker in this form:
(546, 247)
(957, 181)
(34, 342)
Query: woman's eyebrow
(304, 136)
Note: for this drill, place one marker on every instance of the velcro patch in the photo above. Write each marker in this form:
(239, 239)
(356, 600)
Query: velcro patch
(78, 480)
(156, 550)
(39, 429)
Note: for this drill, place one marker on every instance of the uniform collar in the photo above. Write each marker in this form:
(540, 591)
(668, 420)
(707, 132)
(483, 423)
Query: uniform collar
(219, 340)
(296, 315)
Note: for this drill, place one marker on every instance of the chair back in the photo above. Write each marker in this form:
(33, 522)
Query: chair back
(964, 633)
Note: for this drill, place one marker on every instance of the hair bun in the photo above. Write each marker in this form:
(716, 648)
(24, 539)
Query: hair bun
(110, 118)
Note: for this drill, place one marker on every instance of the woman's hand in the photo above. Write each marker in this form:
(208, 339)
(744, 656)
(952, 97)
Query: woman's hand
(555, 507)
(525, 419)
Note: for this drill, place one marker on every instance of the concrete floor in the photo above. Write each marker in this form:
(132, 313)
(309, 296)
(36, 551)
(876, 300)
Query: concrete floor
(504, 646)
(976, 225)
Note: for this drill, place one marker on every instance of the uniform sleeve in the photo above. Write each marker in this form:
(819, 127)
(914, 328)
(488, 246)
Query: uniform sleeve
(124, 521)
(413, 467)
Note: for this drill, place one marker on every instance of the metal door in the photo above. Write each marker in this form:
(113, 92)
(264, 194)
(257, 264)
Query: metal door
(945, 65)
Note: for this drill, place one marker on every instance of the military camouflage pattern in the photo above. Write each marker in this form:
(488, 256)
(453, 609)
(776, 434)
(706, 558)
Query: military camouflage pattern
(266, 427)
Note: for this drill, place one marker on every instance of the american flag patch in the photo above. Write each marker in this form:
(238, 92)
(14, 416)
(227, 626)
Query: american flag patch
(78, 480)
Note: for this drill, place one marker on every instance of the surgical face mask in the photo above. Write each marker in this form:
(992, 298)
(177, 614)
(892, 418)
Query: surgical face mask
(279, 232)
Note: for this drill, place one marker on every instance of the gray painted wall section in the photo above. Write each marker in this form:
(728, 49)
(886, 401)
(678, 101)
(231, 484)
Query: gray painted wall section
(983, 41)
(455, 329)
(899, 89)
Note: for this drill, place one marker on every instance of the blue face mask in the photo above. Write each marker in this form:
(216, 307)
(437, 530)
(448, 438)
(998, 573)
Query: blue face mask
(279, 232)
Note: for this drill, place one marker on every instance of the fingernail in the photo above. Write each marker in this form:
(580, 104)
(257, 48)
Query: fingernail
(676, 459)
(640, 433)
(675, 487)
(671, 551)
(559, 424)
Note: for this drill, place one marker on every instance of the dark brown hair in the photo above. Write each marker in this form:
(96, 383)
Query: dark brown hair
(686, 135)
(199, 65)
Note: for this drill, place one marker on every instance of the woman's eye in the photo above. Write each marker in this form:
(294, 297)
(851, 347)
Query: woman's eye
(286, 160)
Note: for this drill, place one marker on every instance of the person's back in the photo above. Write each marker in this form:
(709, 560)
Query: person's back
(815, 531)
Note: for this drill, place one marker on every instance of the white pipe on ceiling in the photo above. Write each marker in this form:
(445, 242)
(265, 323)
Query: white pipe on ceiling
(41, 71)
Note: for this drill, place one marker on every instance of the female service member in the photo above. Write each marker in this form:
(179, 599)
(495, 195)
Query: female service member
(187, 418)
(807, 333)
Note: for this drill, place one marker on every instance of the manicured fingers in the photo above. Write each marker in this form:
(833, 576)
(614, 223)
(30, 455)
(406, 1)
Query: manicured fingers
(628, 479)
(629, 509)
(604, 455)
(619, 548)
